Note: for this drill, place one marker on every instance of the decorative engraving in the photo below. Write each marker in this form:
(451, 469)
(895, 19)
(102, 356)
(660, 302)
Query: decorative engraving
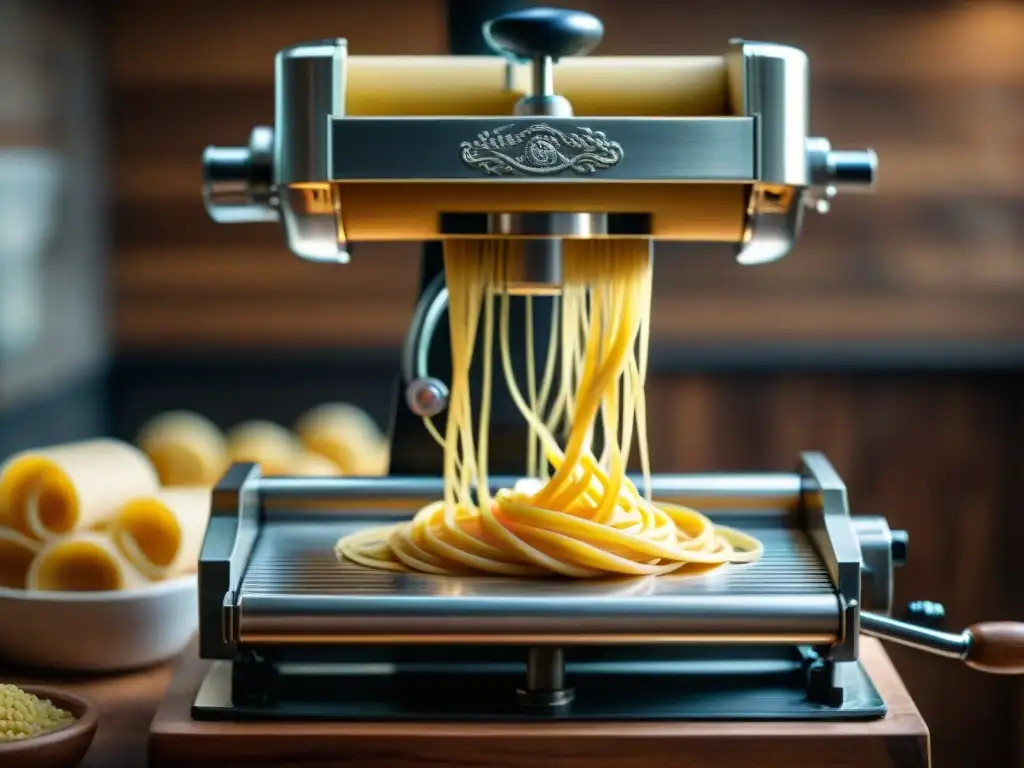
(540, 150)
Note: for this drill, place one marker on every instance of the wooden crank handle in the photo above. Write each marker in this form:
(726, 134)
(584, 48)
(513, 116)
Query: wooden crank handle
(996, 647)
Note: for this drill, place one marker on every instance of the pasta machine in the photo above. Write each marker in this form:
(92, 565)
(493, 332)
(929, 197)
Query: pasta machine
(537, 143)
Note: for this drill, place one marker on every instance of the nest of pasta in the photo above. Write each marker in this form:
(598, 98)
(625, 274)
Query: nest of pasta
(578, 515)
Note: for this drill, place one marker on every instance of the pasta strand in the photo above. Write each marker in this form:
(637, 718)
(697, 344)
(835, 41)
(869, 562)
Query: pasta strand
(576, 515)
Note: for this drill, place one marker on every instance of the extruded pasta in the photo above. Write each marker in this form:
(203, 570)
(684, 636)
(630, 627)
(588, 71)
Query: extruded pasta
(578, 515)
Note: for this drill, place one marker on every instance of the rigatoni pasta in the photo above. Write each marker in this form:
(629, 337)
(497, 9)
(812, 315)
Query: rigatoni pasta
(346, 435)
(50, 492)
(268, 444)
(82, 562)
(186, 449)
(161, 535)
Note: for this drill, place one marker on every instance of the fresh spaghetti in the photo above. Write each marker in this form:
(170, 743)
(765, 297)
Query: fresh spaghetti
(578, 515)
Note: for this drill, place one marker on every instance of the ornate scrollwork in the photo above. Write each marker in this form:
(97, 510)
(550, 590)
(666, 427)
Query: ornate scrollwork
(540, 150)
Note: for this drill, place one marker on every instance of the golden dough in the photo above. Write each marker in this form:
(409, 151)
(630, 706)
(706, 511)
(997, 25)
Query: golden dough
(346, 435)
(609, 86)
(186, 449)
(50, 492)
(311, 464)
(83, 562)
(161, 535)
(268, 444)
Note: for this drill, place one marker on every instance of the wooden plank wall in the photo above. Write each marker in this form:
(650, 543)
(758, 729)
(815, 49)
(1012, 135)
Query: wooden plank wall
(939, 456)
(936, 88)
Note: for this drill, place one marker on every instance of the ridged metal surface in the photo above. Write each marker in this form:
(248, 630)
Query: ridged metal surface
(295, 585)
(298, 559)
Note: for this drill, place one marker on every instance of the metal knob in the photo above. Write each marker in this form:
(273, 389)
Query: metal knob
(834, 170)
(544, 32)
(851, 169)
(543, 36)
(426, 396)
(238, 183)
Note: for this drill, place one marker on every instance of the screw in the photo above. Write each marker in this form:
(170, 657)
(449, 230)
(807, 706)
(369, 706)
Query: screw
(426, 397)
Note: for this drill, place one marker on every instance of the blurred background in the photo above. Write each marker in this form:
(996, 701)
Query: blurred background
(892, 338)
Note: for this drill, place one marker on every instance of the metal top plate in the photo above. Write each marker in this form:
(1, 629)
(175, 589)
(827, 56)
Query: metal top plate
(540, 149)
(294, 586)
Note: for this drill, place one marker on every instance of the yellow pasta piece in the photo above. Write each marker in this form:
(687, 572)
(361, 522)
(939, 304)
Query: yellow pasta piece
(346, 435)
(578, 515)
(309, 464)
(187, 449)
(49, 492)
(83, 562)
(161, 535)
(268, 444)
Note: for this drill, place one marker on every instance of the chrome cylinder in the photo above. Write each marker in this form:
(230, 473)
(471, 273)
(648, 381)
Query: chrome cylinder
(537, 270)
(952, 646)
(771, 82)
(838, 169)
(309, 90)
(309, 87)
(238, 183)
(882, 550)
(543, 101)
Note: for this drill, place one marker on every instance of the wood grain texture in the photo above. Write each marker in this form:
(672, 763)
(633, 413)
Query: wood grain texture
(935, 252)
(997, 647)
(126, 702)
(937, 456)
(900, 740)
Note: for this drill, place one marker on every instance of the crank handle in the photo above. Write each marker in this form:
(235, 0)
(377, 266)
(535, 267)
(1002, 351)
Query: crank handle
(996, 647)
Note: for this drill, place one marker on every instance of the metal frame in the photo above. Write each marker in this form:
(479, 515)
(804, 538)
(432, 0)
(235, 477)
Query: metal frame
(602, 150)
(244, 502)
(315, 143)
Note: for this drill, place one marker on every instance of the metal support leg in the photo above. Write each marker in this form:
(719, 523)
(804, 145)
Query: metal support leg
(254, 680)
(824, 679)
(545, 680)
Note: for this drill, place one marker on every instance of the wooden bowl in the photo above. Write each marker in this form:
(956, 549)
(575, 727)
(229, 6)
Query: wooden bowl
(64, 748)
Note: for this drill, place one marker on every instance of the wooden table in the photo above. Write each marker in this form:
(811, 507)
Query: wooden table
(129, 703)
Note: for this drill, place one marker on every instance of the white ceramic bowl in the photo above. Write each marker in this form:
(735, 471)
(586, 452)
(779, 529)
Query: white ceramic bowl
(98, 631)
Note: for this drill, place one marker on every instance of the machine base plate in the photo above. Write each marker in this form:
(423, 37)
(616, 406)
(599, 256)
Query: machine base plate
(176, 738)
(676, 686)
